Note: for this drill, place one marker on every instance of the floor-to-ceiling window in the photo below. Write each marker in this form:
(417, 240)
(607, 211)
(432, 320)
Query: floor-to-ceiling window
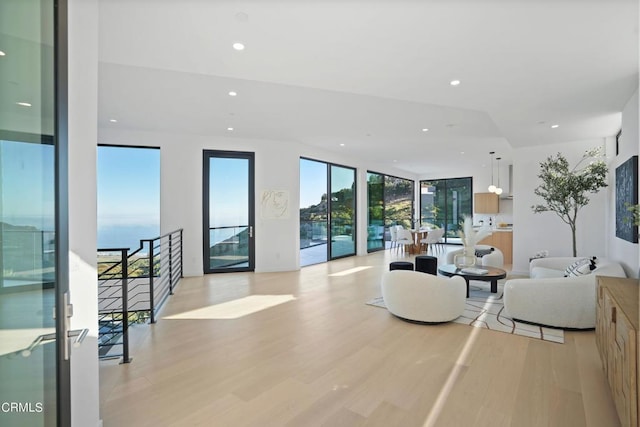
(313, 212)
(398, 201)
(375, 211)
(342, 211)
(444, 203)
(34, 366)
(327, 211)
(128, 195)
(390, 202)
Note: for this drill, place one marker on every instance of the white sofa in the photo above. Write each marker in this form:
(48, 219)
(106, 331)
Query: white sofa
(549, 298)
(422, 297)
(493, 259)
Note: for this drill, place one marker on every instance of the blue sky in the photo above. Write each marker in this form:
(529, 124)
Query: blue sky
(128, 186)
(228, 195)
(313, 182)
(128, 182)
(27, 179)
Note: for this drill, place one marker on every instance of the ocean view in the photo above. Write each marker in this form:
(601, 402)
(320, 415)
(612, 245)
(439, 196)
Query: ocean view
(125, 236)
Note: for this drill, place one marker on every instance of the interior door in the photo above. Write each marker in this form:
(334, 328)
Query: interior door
(228, 201)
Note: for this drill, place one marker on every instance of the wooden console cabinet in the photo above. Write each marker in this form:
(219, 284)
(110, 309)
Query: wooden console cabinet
(617, 340)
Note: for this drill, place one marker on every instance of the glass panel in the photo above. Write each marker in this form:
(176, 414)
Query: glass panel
(128, 196)
(27, 215)
(432, 203)
(458, 206)
(228, 212)
(398, 201)
(375, 205)
(313, 212)
(444, 203)
(342, 211)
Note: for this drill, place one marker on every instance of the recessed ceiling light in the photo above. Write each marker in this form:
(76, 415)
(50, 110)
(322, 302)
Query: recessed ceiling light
(462, 152)
(229, 129)
(2, 53)
(454, 82)
(23, 104)
(113, 120)
(554, 126)
(425, 130)
(394, 161)
(232, 93)
(238, 46)
(342, 145)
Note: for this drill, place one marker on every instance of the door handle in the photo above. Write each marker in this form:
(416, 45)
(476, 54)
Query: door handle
(79, 334)
(67, 333)
(39, 339)
(251, 231)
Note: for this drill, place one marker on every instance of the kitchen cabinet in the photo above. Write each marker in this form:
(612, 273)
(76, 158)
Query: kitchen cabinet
(486, 203)
(502, 240)
(617, 341)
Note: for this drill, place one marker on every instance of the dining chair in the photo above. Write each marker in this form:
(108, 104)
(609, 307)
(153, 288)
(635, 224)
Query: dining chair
(393, 231)
(433, 238)
(405, 238)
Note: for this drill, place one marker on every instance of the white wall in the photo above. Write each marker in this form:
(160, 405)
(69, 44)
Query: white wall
(618, 249)
(546, 231)
(277, 167)
(83, 113)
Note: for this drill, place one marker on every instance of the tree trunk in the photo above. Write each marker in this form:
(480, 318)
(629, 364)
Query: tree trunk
(573, 235)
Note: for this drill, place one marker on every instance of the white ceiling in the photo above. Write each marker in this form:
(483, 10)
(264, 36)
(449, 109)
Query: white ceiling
(371, 74)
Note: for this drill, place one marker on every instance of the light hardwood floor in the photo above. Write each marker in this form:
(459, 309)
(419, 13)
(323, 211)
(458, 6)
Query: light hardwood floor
(327, 359)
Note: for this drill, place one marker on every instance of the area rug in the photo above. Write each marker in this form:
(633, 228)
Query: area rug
(486, 310)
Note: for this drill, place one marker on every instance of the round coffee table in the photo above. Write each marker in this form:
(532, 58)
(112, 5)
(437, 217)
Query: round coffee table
(492, 275)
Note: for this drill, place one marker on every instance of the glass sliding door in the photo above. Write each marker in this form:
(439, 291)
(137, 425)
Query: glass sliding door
(27, 284)
(430, 205)
(458, 205)
(34, 370)
(342, 211)
(389, 203)
(228, 201)
(313, 212)
(327, 223)
(398, 201)
(375, 210)
(444, 203)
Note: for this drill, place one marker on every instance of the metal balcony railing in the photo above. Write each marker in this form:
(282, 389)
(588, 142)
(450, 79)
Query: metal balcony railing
(132, 287)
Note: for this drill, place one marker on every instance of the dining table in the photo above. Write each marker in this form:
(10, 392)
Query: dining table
(417, 235)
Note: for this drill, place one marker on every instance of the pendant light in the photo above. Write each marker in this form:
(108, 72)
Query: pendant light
(498, 188)
(492, 188)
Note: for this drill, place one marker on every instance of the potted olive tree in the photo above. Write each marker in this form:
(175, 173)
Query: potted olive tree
(635, 214)
(565, 190)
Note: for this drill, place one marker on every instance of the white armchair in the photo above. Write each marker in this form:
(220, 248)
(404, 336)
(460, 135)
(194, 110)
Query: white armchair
(417, 296)
(494, 258)
(549, 298)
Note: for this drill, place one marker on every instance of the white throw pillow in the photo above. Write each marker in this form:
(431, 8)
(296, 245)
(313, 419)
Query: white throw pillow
(578, 268)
